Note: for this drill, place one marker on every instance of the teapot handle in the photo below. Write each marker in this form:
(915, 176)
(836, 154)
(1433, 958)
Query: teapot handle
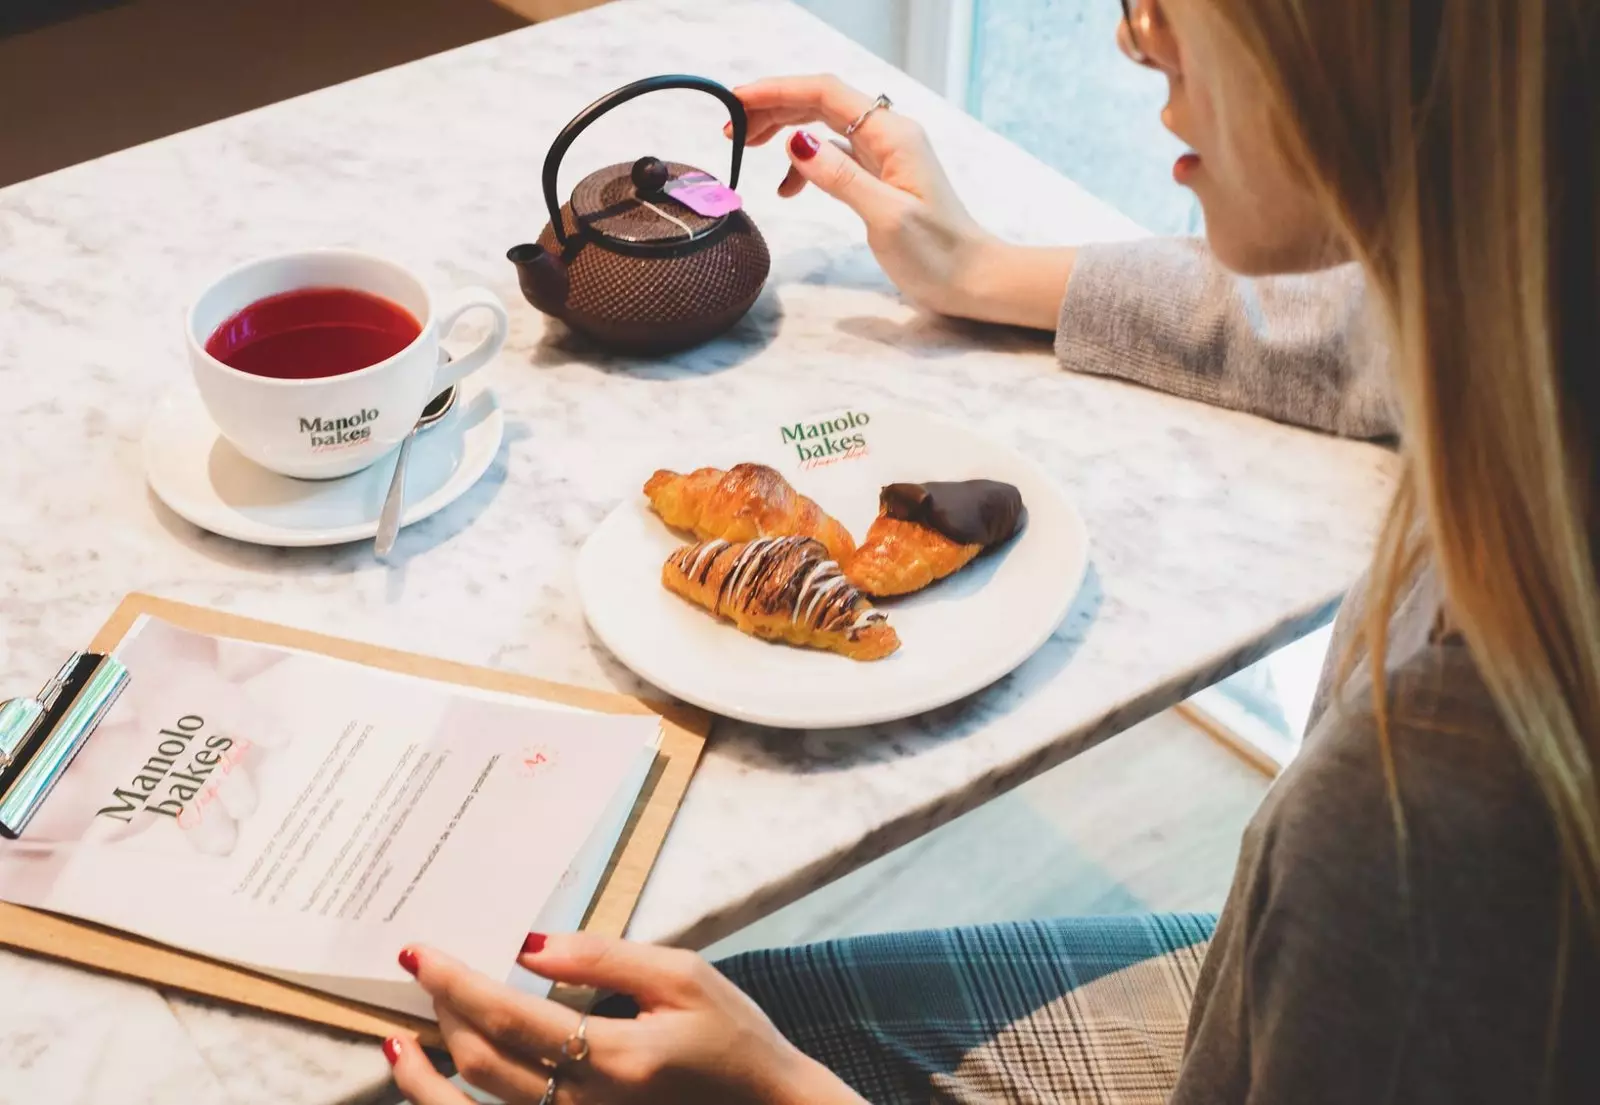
(569, 133)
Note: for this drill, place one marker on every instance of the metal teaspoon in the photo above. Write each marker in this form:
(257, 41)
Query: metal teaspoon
(389, 518)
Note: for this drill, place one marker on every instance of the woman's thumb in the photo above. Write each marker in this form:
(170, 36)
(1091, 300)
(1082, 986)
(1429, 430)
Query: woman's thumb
(840, 175)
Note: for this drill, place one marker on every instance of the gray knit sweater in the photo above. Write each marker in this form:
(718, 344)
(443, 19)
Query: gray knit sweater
(1349, 967)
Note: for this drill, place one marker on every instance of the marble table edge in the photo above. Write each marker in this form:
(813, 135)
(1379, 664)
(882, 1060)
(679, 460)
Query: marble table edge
(885, 838)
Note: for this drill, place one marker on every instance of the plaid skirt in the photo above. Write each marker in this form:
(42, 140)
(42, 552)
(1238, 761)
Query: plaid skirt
(1091, 1011)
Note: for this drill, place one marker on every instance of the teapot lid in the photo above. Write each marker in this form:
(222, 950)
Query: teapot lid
(624, 203)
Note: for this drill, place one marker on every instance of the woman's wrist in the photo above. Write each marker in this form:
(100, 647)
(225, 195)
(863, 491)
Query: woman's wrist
(1013, 285)
(808, 1082)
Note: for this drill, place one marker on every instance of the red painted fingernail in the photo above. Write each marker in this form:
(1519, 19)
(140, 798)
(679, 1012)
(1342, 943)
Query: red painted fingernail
(391, 1050)
(408, 960)
(803, 146)
(533, 943)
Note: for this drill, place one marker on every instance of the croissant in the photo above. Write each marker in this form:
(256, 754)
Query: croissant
(745, 502)
(926, 531)
(781, 589)
(899, 557)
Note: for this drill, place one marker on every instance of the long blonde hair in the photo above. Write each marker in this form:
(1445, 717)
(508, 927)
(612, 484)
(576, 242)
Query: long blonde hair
(1458, 142)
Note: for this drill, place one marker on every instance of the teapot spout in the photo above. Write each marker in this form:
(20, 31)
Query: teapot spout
(542, 276)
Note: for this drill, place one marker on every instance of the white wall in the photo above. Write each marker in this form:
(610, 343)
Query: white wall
(879, 25)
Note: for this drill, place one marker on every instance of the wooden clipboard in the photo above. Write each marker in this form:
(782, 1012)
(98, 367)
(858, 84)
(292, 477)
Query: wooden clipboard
(684, 731)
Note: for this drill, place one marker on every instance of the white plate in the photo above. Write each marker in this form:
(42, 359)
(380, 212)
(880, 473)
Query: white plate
(956, 637)
(208, 482)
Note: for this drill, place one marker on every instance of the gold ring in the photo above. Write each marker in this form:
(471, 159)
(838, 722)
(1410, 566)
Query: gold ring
(549, 1095)
(575, 1048)
(882, 102)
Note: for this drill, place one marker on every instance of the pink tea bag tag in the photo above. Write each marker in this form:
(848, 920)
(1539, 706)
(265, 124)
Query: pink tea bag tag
(703, 194)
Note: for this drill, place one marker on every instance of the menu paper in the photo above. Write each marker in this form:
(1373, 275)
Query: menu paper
(307, 817)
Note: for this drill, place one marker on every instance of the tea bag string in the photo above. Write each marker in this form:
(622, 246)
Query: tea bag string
(685, 227)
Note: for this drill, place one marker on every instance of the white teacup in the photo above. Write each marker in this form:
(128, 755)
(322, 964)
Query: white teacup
(332, 425)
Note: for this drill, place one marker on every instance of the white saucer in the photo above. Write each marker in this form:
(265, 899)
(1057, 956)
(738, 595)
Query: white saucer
(206, 481)
(957, 637)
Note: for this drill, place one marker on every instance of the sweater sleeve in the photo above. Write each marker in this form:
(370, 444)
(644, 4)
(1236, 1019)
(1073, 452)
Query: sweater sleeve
(1164, 313)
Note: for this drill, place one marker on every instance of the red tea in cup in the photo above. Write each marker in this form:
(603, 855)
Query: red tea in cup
(284, 347)
(312, 333)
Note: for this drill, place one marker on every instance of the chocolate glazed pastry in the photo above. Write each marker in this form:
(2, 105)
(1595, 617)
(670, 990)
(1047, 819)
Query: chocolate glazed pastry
(782, 589)
(927, 531)
(985, 513)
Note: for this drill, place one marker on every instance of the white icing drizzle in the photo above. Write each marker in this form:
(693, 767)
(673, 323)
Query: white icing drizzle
(868, 617)
(752, 555)
(816, 569)
(708, 551)
(822, 586)
(820, 589)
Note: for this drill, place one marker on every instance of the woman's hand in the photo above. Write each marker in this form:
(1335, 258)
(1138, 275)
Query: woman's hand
(697, 1038)
(917, 227)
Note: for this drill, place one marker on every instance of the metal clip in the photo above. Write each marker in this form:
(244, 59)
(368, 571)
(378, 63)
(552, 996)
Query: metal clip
(40, 737)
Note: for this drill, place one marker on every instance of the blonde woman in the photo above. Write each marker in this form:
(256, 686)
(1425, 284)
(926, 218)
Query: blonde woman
(1416, 912)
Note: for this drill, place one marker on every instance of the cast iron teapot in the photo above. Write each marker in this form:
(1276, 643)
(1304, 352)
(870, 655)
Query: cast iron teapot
(628, 265)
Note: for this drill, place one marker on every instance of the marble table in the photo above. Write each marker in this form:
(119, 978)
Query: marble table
(1215, 536)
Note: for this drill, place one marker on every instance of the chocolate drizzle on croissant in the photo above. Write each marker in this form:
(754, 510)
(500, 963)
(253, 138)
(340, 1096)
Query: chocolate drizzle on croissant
(773, 576)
